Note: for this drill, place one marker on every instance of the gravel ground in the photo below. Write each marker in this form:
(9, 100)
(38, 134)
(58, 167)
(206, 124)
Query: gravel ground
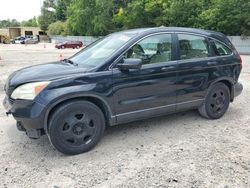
(181, 150)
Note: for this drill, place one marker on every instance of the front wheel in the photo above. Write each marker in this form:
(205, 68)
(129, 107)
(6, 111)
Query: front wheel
(216, 102)
(76, 127)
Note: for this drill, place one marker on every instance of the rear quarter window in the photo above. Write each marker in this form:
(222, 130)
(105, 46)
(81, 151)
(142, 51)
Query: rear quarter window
(221, 49)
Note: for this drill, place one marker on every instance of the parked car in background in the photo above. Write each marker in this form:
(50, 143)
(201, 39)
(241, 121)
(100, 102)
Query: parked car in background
(69, 44)
(18, 40)
(124, 77)
(30, 41)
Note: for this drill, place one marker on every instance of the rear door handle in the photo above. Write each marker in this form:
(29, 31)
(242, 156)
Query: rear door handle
(212, 63)
(167, 68)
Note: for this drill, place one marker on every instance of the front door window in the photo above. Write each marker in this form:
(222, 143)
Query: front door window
(153, 49)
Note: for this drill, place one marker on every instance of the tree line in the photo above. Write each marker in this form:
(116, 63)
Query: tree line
(14, 23)
(101, 17)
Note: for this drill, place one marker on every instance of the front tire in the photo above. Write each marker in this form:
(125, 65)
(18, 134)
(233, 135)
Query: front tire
(216, 102)
(76, 127)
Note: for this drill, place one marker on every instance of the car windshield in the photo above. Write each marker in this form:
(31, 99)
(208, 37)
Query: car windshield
(98, 52)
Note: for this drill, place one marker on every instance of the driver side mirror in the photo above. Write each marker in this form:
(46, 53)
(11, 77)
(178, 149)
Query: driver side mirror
(130, 63)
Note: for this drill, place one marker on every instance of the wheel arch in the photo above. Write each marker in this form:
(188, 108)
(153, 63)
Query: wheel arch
(229, 82)
(105, 108)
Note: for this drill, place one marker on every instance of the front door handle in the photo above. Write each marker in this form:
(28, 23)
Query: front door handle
(167, 68)
(212, 63)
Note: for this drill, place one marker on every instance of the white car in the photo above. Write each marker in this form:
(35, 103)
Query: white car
(18, 40)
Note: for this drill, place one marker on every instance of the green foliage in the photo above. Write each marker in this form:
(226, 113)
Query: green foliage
(228, 16)
(231, 17)
(47, 17)
(184, 13)
(9, 23)
(90, 17)
(58, 28)
(61, 9)
(100, 17)
(30, 23)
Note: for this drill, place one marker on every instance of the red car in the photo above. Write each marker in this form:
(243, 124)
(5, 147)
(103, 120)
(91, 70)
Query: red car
(69, 44)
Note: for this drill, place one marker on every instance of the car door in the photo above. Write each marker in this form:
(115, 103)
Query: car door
(193, 70)
(149, 91)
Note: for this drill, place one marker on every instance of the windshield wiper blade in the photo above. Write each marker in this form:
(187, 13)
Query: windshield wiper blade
(70, 61)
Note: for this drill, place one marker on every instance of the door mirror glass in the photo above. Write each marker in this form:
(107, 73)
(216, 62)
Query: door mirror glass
(130, 63)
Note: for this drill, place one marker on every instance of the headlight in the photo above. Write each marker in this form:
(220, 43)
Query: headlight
(29, 91)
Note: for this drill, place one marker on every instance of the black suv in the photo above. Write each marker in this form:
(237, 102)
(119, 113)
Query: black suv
(126, 76)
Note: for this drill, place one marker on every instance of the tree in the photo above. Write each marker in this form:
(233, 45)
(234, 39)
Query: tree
(30, 23)
(90, 17)
(58, 28)
(9, 23)
(141, 13)
(100, 17)
(61, 9)
(183, 13)
(102, 21)
(47, 17)
(231, 17)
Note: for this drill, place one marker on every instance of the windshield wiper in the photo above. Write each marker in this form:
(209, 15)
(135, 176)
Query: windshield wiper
(70, 62)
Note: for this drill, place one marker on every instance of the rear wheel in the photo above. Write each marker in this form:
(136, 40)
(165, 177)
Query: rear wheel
(62, 47)
(76, 127)
(216, 102)
(78, 47)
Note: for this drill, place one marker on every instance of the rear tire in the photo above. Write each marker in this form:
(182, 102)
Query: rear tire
(76, 127)
(216, 102)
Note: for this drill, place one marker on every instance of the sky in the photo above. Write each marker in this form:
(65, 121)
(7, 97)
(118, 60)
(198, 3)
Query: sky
(19, 9)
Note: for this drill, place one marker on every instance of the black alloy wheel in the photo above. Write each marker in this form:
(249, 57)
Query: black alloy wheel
(216, 102)
(76, 127)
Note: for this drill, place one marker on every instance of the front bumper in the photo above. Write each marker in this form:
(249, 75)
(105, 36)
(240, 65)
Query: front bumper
(28, 114)
(238, 88)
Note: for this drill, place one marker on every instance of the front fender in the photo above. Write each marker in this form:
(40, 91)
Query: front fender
(57, 93)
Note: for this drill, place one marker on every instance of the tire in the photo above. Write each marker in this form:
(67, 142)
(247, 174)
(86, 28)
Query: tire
(216, 102)
(62, 47)
(78, 47)
(76, 127)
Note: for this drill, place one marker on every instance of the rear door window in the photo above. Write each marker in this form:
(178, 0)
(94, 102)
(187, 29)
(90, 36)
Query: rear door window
(192, 46)
(221, 49)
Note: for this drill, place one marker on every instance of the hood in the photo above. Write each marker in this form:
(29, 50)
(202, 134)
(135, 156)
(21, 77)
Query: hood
(43, 72)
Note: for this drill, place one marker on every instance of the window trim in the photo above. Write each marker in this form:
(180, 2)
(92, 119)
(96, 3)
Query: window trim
(210, 51)
(210, 39)
(112, 66)
(212, 43)
(175, 47)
